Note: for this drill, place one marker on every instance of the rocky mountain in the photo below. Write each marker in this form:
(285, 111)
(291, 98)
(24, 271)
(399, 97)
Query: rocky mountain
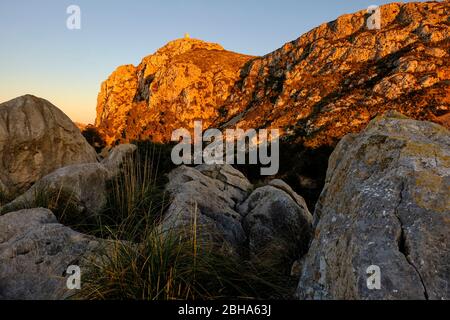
(185, 80)
(35, 251)
(329, 82)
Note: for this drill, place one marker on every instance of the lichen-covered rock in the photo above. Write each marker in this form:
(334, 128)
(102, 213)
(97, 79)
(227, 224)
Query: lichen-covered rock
(35, 252)
(36, 138)
(386, 203)
(277, 223)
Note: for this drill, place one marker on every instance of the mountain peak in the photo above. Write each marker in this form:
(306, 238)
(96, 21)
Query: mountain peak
(182, 45)
(329, 82)
(184, 80)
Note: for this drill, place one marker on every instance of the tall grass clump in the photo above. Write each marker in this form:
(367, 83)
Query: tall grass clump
(176, 265)
(136, 197)
(148, 261)
(3, 198)
(61, 201)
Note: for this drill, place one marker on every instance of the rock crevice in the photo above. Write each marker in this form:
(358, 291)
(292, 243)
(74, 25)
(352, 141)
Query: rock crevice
(403, 245)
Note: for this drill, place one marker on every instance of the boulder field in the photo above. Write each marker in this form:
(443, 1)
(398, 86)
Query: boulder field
(385, 204)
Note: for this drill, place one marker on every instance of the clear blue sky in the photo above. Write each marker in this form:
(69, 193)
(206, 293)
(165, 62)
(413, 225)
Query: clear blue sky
(39, 55)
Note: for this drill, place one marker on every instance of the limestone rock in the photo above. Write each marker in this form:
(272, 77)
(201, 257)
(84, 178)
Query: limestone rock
(35, 252)
(270, 223)
(84, 184)
(208, 202)
(334, 79)
(277, 226)
(36, 138)
(234, 182)
(386, 203)
(117, 156)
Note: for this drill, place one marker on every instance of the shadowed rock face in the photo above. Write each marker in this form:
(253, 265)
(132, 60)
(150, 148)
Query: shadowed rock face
(329, 82)
(386, 202)
(36, 138)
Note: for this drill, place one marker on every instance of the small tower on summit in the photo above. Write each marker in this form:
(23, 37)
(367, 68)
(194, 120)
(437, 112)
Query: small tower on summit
(187, 36)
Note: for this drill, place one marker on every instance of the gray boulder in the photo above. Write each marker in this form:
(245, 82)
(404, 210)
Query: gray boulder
(82, 184)
(207, 197)
(35, 252)
(272, 223)
(36, 138)
(277, 223)
(117, 156)
(386, 203)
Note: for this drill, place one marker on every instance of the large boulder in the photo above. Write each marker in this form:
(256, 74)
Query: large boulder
(277, 223)
(207, 197)
(83, 185)
(271, 224)
(386, 203)
(117, 156)
(36, 138)
(186, 79)
(327, 83)
(35, 252)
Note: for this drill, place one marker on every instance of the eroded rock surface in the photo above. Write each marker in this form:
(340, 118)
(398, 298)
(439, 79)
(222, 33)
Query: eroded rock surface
(272, 222)
(209, 201)
(185, 80)
(83, 185)
(35, 251)
(386, 203)
(277, 223)
(36, 138)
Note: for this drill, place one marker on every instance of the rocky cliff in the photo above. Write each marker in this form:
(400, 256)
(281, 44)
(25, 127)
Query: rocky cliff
(185, 80)
(331, 81)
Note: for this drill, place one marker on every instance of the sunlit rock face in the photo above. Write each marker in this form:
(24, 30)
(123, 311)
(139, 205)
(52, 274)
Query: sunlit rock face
(334, 79)
(185, 80)
(329, 82)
